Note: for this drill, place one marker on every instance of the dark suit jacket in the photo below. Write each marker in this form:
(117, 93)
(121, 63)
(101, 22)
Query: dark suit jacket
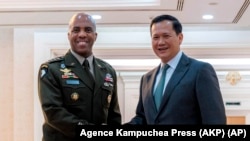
(192, 96)
(68, 99)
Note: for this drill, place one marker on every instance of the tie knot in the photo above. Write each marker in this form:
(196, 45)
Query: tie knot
(86, 63)
(165, 67)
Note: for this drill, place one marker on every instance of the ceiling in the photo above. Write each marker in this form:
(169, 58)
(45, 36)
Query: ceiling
(124, 12)
(125, 24)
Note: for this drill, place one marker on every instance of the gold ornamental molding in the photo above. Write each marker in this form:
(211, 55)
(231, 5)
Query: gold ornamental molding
(233, 77)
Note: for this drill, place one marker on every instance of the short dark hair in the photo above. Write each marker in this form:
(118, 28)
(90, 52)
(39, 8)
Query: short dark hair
(176, 24)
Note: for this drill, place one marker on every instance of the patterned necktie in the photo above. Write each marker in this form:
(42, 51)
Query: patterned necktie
(160, 87)
(87, 69)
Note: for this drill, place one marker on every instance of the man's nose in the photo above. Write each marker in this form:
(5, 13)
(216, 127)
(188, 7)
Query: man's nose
(82, 33)
(161, 40)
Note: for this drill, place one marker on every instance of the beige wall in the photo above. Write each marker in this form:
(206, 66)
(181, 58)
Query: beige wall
(6, 85)
(23, 85)
(21, 52)
(17, 86)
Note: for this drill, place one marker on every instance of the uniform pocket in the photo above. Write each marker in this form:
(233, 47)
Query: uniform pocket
(73, 94)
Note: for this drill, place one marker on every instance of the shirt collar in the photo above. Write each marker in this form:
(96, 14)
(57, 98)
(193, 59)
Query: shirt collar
(81, 59)
(174, 61)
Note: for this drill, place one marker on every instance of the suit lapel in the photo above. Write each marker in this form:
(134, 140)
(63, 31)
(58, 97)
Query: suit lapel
(150, 92)
(178, 74)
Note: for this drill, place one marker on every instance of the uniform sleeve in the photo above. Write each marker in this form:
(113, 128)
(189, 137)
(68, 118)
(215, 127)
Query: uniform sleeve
(114, 116)
(50, 95)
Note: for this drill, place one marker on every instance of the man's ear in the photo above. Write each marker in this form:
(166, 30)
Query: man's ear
(96, 36)
(68, 35)
(180, 36)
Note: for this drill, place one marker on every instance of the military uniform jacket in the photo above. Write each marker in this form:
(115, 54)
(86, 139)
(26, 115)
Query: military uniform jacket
(68, 99)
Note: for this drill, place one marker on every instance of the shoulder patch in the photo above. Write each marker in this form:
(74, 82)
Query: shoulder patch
(43, 70)
(56, 59)
(44, 66)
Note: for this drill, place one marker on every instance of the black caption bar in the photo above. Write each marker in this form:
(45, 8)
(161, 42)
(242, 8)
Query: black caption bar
(135, 132)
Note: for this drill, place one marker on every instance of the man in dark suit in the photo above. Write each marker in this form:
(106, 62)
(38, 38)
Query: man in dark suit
(190, 91)
(77, 88)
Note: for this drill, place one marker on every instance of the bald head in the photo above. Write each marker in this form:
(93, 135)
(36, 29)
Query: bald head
(82, 34)
(82, 17)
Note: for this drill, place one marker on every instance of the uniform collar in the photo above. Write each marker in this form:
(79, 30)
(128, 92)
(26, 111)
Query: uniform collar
(81, 59)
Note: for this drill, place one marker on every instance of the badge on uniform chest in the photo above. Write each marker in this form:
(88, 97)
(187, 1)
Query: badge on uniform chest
(74, 96)
(67, 73)
(72, 82)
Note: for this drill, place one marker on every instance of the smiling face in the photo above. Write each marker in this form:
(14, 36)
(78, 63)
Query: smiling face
(165, 42)
(82, 34)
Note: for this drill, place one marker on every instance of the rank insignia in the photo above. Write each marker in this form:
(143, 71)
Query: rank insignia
(109, 98)
(75, 96)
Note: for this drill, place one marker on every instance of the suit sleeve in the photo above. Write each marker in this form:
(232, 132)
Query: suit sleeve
(209, 96)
